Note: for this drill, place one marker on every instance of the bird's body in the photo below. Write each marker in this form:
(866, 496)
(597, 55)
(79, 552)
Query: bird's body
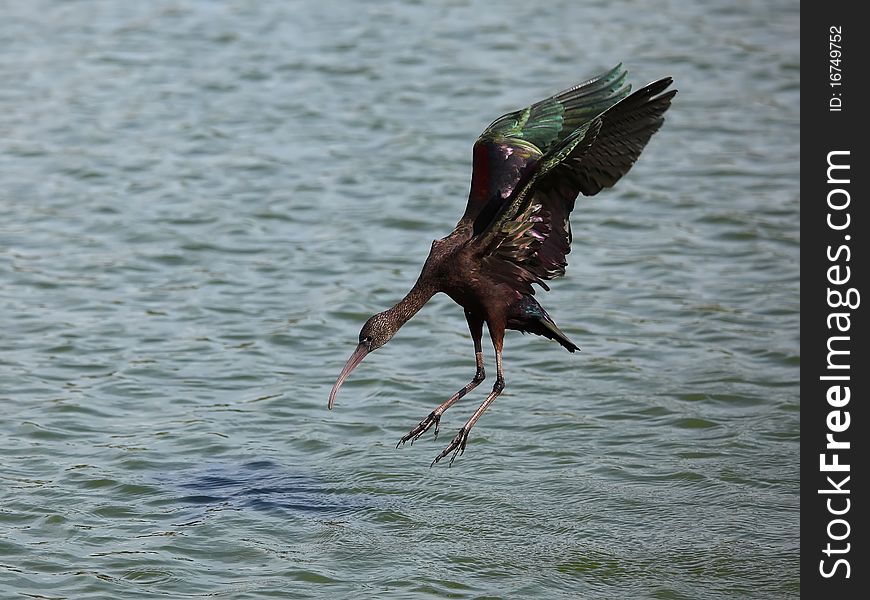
(454, 267)
(528, 168)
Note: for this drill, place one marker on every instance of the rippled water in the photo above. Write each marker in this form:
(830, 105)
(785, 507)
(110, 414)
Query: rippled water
(200, 204)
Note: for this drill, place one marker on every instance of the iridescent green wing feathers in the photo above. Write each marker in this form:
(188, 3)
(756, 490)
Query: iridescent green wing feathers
(510, 149)
(548, 122)
(527, 239)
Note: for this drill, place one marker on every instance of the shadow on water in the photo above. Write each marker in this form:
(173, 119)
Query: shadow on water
(265, 486)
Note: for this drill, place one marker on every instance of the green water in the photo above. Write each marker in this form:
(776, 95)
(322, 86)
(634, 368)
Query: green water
(200, 204)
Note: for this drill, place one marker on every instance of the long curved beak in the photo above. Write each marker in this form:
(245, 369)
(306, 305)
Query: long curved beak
(355, 359)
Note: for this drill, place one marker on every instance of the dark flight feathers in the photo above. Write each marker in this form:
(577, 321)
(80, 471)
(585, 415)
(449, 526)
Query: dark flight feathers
(530, 166)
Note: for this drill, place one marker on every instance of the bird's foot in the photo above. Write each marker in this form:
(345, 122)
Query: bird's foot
(457, 447)
(421, 428)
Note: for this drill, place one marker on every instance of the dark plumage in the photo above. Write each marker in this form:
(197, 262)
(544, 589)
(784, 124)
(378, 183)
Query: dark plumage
(529, 166)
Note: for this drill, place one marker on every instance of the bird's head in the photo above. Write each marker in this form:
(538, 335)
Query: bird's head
(375, 333)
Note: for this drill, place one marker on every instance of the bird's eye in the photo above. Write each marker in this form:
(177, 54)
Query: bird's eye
(367, 340)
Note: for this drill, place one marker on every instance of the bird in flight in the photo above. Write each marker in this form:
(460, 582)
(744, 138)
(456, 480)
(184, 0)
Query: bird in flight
(529, 166)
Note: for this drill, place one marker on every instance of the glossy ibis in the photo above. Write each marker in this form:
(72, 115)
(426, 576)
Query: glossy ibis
(529, 166)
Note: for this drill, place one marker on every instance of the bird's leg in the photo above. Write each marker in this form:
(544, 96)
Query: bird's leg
(475, 325)
(457, 446)
(434, 417)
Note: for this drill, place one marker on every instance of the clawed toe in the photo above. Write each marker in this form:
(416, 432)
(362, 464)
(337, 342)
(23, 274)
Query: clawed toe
(421, 428)
(457, 446)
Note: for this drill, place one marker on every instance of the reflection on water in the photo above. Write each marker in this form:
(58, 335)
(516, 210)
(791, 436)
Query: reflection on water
(263, 485)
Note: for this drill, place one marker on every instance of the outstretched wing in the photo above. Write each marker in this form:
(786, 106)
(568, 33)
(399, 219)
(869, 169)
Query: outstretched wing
(509, 151)
(529, 236)
(548, 122)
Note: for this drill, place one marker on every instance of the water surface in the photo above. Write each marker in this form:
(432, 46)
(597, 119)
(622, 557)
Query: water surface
(200, 204)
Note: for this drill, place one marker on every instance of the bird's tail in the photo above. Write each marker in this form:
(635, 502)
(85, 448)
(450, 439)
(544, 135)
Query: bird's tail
(530, 317)
(548, 329)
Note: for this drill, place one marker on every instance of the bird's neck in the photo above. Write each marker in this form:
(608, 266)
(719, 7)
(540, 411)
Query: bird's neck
(413, 301)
